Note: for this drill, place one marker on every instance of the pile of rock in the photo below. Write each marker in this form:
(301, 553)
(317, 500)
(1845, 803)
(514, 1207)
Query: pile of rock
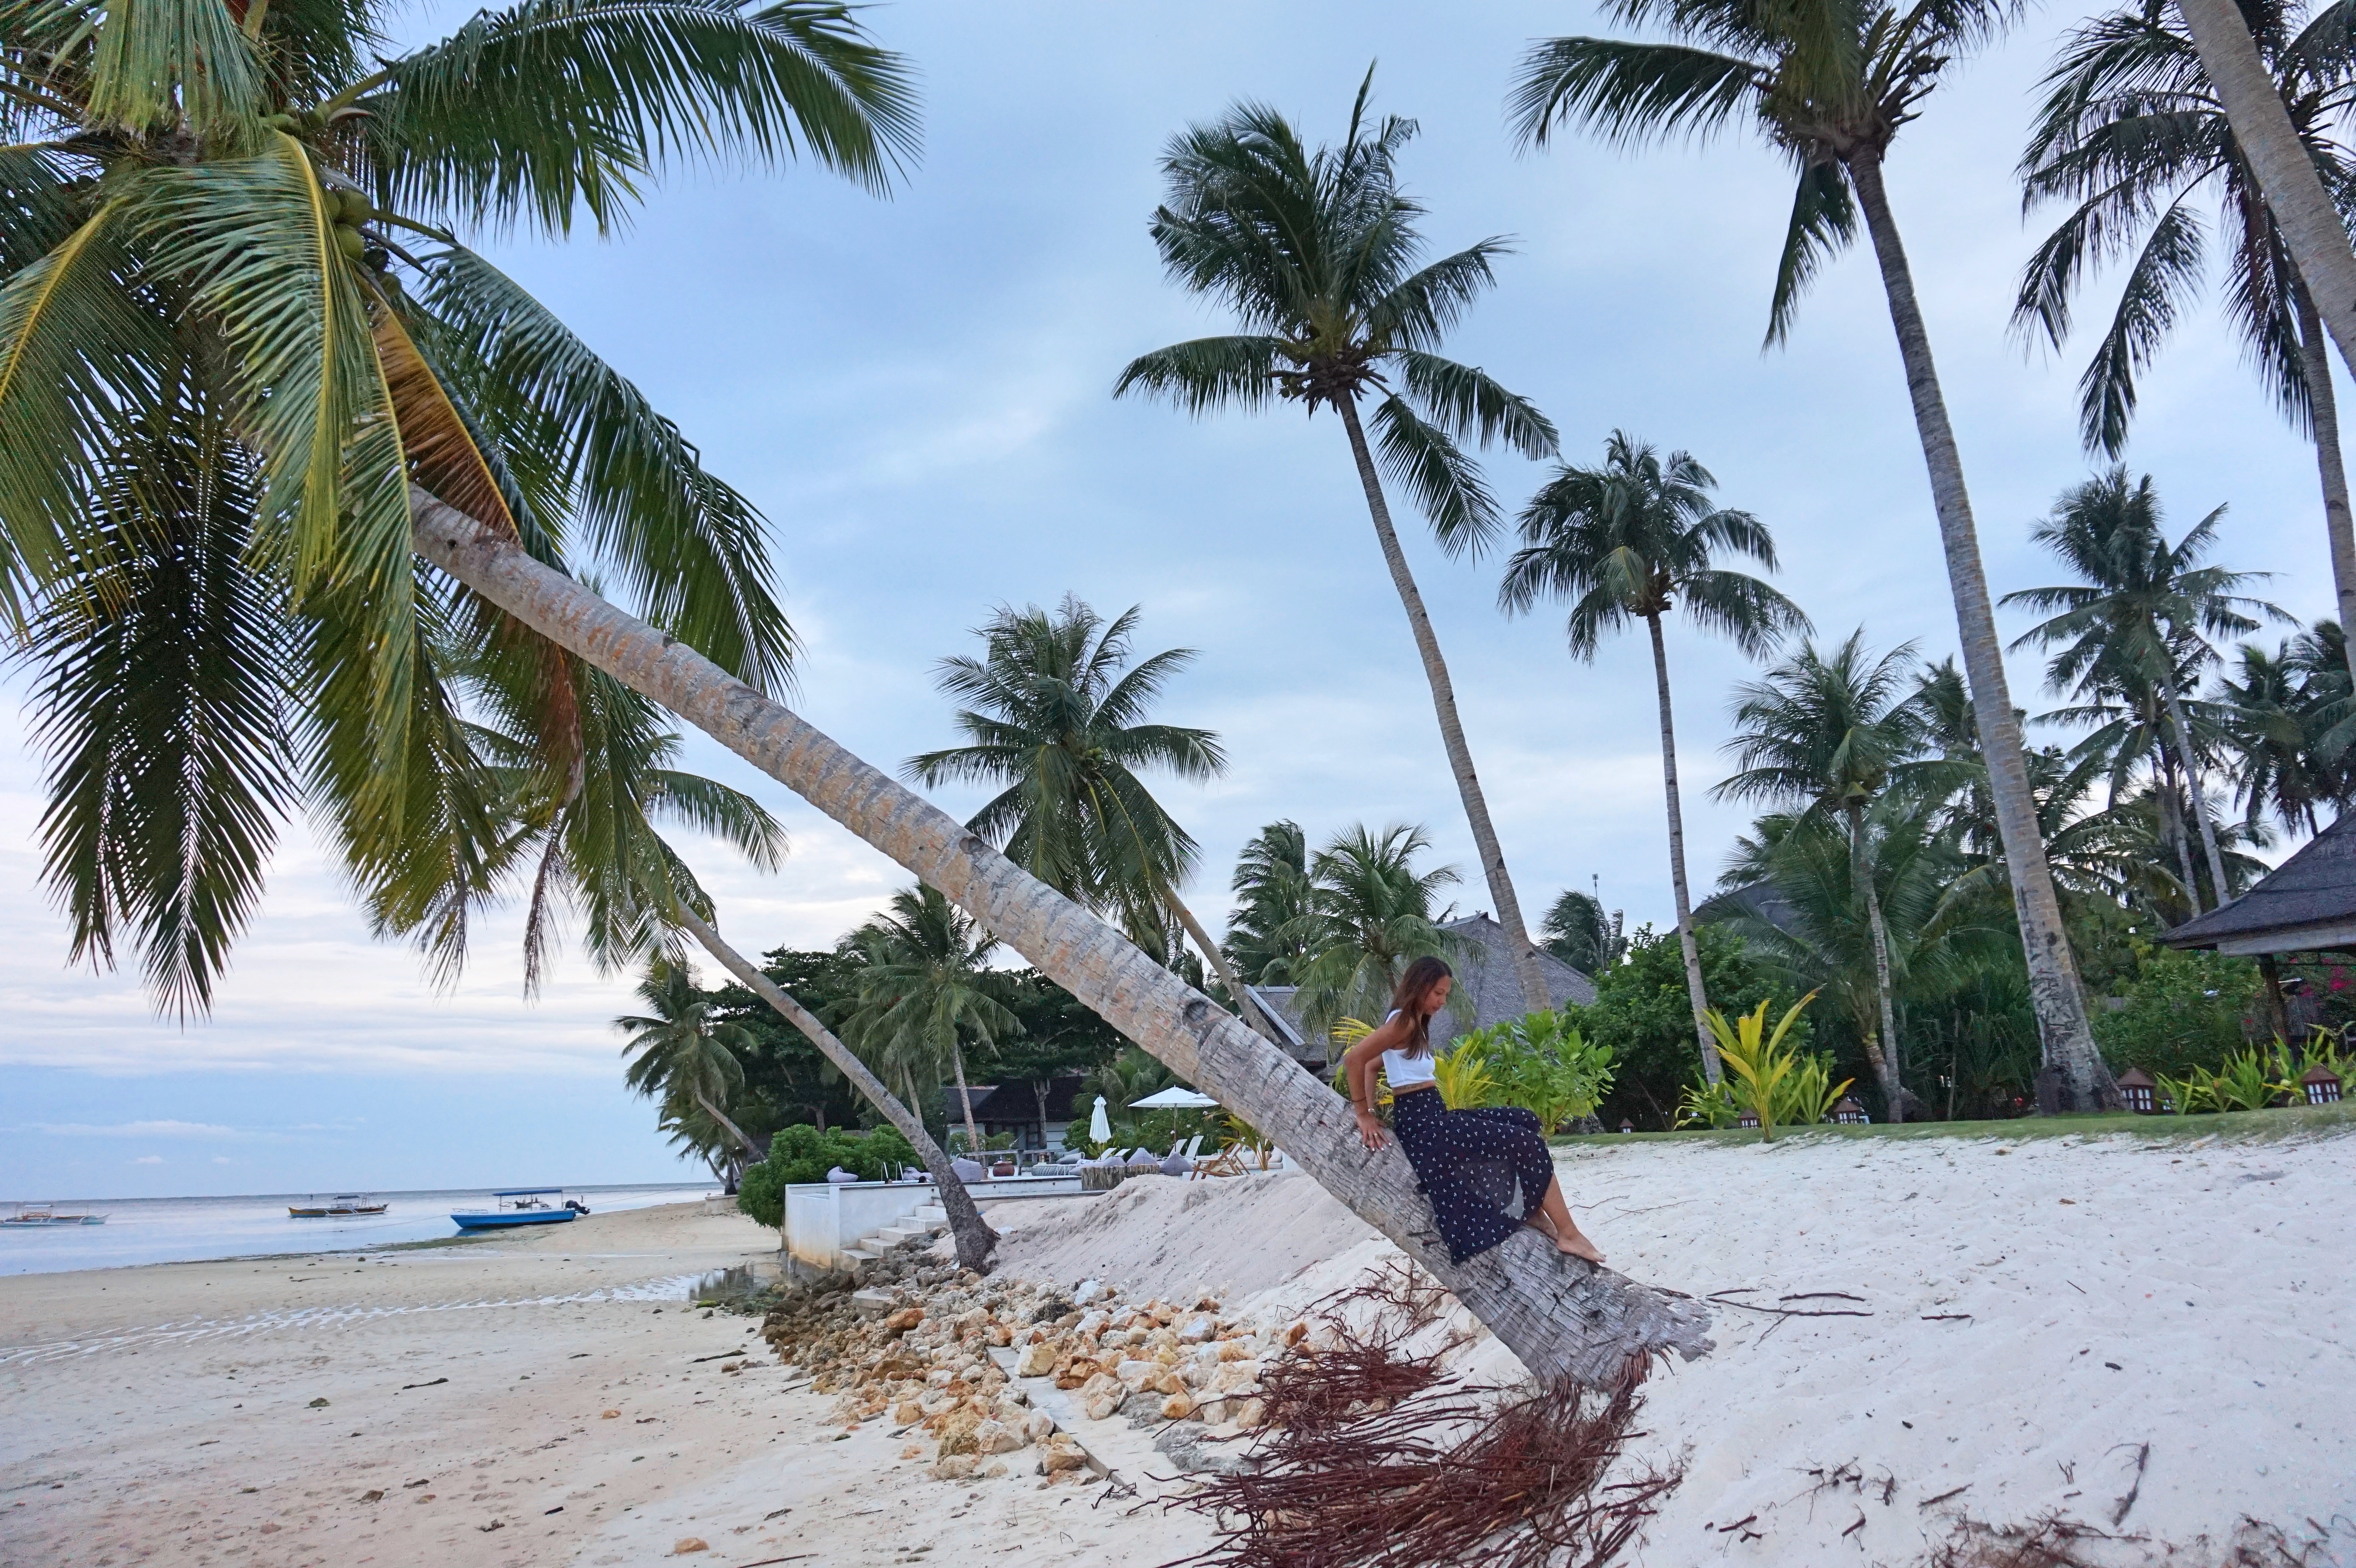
(927, 1364)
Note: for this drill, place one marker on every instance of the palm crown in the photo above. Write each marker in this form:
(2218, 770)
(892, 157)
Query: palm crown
(237, 329)
(1316, 254)
(1631, 538)
(1825, 732)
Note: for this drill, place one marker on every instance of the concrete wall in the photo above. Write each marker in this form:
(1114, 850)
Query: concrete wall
(823, 1217)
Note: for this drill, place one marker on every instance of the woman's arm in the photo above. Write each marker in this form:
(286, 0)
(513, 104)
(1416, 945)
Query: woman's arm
(1358, 1072)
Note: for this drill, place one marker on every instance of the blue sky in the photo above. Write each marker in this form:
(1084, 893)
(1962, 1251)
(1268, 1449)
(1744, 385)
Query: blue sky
(916, 393)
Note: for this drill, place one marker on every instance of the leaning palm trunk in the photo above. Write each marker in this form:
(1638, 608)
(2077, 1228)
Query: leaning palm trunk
(1565, 1319)
(1246, 1008)
(720, 1119)
(2323, 412)
(2068, 1043)
(1535, 995)
(2192, 788)
(1885, 1064)
(974, 1236)
(964, 1097)
(2311, 226)
(1687, 945)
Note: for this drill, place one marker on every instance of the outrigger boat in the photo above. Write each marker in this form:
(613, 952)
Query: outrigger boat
(522, 1206)
(31, 1215)
(335, 1207)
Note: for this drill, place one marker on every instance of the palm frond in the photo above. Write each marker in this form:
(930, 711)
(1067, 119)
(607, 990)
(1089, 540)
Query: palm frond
(1466, 403)
(1445, 483)
(1627, 92)
(2166, 273)
(1207, 373)
(1824, 221)
(160, 65)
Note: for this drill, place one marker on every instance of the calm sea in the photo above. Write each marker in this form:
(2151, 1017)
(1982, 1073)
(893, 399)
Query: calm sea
(173, 1230)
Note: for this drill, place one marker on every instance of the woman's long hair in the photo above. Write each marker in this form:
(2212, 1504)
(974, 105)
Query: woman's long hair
(1407, 1000)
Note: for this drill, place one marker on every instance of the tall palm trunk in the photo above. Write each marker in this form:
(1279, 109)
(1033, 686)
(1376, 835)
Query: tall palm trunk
(1527, 969)
(2323, 410)
(720, 1118)
(1861, 875)
(2311, 225)
(974, 1236)
(964, 1095)
(1687, 945)
(1246, 1009)
(2172, 820)
(1564, 1319)
(2068, 1043)
(2192, 760)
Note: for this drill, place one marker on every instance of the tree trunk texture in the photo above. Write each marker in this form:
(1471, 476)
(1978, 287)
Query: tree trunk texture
(1246, 1009)
(2286, 171)
(1695, 992)
(1527, 969)
(964, 1097)
(2068, 1043)
(720, 1117)
(2172, 826)
(1564, 1319)
(2217, 894)
(1860, 872)
(972, 1234)
(2323, 409)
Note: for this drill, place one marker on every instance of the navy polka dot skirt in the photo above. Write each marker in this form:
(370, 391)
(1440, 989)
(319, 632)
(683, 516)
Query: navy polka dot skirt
(1469, 1163)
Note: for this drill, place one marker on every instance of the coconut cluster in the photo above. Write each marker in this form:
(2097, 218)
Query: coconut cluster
(926, 1364)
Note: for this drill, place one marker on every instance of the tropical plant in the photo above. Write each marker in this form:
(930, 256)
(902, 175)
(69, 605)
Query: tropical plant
(2139, 612)
(1465, 1074)
(802, 1153)
(1370, 915)
(1128, 1077)
(679, 1051)
(1051, 716)
(1828, 84)
(1804, 1096)
(1631, 540)
(1828, 733)
(2179, 1012)
(236, 327)
(1641, 1013)
(1265, 929)
(2133, 131)
(1761, 1063)
(926, 992)
(1316, 253)
(1579, 933)
(2186, 1095)
(2247, 1081)
(1542, 1063)
(2290, 725)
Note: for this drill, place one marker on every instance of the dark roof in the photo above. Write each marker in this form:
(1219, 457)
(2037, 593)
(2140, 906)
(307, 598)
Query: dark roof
(1485, 976)
(1013, 1101)
(2304, 904)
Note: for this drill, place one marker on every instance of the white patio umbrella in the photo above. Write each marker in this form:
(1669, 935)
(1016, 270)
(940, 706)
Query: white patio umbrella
(1100, 1125)
(1175, 1098)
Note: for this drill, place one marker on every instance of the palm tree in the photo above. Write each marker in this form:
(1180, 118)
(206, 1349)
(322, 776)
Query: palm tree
(1264, 942)
(1579, 933)
(1631, 540)
(680, 1051)
(2133, 132)
(1370, 915)
(1829, 734)
(516, 86)
(2279, 732)
(1315, 254)
(1052, 714)
(1828, 84)
(925, 992)
(2140, 610)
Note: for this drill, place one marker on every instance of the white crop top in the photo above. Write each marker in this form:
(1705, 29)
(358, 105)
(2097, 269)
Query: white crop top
(1405, 1071)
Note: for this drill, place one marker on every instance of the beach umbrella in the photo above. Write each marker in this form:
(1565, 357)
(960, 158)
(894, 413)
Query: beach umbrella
(1100, 1125)
(1175, 1098)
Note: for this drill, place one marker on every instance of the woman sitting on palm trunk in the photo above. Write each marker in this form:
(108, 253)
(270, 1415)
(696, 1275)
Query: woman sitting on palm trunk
(1470, 1160)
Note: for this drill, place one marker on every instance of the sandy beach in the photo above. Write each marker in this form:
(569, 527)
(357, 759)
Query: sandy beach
(2051, 1329)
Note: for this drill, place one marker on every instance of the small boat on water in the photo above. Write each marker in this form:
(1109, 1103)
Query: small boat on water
(36, 1216)
(522, 1206)
(336, 1208)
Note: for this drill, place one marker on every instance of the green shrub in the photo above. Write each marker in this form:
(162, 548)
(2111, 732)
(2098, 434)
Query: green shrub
(2183, 1011)
(1543, 1063)
(801, 1154)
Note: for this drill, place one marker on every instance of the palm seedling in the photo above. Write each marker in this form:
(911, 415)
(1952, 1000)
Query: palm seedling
(1633, 540)
(1828, 84)
(1316, 254)
(1760, 1061)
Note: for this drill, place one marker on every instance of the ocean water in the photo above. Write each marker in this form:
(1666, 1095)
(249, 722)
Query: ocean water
(178, 1230)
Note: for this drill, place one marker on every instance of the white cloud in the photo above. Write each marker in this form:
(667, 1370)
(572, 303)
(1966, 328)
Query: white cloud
(165, 1129)
(224, 1159)
(149, 1159)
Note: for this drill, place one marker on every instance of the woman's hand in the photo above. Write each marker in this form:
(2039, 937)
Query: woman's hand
(1370, 1129)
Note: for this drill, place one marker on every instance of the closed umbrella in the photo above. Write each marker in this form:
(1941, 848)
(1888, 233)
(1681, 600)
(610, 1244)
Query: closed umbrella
(1175, 1098)
(1100, 1125)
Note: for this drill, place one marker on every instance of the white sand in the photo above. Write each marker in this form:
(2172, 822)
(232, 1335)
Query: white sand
(2221, 1278)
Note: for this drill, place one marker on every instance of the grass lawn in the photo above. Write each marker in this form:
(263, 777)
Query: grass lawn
(2232, 1126)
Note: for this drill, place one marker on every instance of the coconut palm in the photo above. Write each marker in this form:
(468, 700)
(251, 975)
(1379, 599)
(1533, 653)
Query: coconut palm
(1055, 715)
(679, 1049)
(1316, 255)
(1828, 734)
(1370, 915)
(1579, 933)
(927, 992)
(2132, 130)
(2139, 612)
(2278, 730)
(1631, 540)
(1264, 931)
(1828, 84)
(509, 130)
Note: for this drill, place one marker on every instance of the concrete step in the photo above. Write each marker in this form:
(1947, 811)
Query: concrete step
(895, 1235)
(860, 1253)
(871, 1303)
(933, 1214)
